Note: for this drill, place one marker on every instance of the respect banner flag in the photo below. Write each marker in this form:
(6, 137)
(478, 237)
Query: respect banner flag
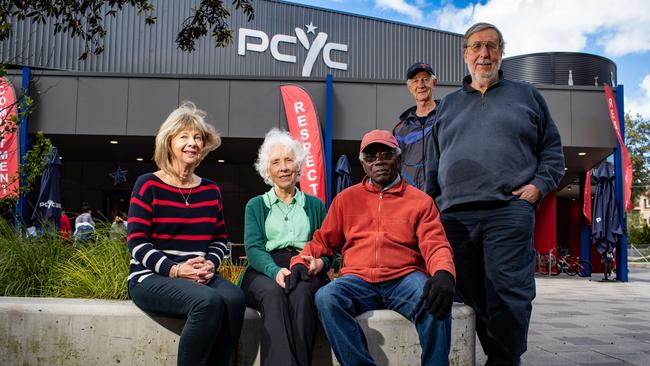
(8, 141)
(627, 163)
(304, 127)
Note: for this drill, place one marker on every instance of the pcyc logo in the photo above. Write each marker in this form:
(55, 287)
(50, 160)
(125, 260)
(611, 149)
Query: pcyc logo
(314, 48)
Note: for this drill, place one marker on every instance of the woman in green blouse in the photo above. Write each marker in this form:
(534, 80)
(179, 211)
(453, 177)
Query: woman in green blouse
(277, 226)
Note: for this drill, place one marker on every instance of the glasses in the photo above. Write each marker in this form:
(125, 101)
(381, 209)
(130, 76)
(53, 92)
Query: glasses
(381, 155)
(476, 46)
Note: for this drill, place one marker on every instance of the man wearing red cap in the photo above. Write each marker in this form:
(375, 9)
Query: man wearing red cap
(413, 131)
(395, 256)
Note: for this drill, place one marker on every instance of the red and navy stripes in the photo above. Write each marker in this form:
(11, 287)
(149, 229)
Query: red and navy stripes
(163, 231)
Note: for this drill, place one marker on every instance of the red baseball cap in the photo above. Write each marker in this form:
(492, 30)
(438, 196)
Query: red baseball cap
(378, 137)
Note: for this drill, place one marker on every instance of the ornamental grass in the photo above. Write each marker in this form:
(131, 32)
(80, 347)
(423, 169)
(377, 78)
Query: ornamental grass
(48, 265)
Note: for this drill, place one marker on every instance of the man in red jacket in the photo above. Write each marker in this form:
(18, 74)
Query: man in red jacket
(395, 256)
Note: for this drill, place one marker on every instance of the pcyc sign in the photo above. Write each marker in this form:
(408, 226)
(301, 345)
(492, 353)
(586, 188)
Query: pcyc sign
(314, 48)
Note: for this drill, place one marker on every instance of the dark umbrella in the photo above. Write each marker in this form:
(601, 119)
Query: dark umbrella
(343, 174)
(606, 227)
(48, 205)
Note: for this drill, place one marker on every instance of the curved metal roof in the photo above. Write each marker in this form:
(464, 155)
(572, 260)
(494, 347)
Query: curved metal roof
(553, 68)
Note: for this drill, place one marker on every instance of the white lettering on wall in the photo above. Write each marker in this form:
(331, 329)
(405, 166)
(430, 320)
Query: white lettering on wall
(258, 41)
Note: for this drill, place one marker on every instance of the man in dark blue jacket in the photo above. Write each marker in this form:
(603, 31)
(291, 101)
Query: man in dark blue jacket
(495, 151)
(414, 127)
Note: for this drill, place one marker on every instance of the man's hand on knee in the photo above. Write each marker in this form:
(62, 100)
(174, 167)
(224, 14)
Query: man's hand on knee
(438, 294)
(298, 273)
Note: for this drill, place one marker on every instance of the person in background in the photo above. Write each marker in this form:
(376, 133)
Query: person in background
(177, 239)
(119, 225)
(414, 128)
(66, 228)
(277, 225)
(495, 153)
(395, 256)
(84, 226)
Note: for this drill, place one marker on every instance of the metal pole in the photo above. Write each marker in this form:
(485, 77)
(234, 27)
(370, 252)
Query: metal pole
(621, 246)
(22, 146)
(329, 96)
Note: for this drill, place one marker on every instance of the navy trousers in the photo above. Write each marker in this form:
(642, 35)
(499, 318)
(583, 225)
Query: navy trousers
(495, 272)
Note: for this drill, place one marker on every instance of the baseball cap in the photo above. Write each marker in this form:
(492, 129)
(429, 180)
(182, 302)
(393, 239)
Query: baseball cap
(378, 137)
(417, 67)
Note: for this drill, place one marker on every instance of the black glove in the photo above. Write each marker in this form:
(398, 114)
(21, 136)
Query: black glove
(298, 273)
(438, 294)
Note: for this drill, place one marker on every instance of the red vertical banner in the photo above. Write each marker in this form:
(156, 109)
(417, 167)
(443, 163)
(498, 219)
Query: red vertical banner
(304, 127)
(586, 198)
(8, 141)
(627, 163)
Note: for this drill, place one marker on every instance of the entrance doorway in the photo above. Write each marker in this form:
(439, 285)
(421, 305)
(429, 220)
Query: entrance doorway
(114, 202)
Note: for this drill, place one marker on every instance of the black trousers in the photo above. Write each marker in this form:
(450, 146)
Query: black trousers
(495, 273)
(214, 312)
(289, 321)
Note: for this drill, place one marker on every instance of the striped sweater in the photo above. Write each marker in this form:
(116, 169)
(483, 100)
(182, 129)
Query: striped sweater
(162, 231)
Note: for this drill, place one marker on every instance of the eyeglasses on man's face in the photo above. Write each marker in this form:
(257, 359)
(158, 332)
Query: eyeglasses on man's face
(476, 46)
(370, 158)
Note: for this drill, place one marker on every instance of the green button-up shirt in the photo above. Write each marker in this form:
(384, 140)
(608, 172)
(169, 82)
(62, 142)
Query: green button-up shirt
(286, 225)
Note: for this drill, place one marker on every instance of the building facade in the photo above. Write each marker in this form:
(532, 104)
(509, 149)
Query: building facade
(125, 93)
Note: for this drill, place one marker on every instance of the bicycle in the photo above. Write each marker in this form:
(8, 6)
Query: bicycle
(572, 266)
(545, 263)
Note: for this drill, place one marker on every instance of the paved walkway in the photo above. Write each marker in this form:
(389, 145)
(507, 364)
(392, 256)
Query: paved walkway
(578, 321)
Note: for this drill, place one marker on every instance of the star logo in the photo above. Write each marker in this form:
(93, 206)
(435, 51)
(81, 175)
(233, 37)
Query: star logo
(311, 28)
(119, 176)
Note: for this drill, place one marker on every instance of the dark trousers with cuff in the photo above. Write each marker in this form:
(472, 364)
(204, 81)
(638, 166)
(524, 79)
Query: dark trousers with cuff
(289, 321)
(495, 272)
(214, 312)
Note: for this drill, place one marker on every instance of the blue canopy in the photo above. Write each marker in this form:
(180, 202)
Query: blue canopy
(47, 210)
(606, 228)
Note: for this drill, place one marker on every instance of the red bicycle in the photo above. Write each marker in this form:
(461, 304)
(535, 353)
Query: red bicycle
(550, 264)
(572, 266)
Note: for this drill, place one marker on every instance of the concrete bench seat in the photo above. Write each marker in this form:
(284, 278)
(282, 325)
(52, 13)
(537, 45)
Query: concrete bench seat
(51, 331)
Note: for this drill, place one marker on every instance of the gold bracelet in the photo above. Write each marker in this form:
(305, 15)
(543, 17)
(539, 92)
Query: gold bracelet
(178, 267)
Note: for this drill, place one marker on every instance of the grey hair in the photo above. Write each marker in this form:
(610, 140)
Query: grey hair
(481, 27)
(273, 138)
(397, 151)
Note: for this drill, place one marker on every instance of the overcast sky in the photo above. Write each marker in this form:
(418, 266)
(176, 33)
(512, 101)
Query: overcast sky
(618, 30)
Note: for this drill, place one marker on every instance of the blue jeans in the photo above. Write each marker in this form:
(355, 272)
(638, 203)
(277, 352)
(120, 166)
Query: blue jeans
(342, 300)
(214, 312)
(495, 272)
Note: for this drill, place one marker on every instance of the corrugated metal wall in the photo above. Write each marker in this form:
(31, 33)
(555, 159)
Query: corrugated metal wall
(553, 68)
(377, 50)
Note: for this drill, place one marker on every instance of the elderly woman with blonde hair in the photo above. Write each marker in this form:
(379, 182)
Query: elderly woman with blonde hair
(277, 225)
(177, 239)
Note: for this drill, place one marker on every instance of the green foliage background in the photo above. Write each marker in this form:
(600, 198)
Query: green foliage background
(50, 266)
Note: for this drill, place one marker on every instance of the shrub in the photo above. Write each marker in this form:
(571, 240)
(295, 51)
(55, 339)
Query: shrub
(26, 264)
(232, 269)
(639, 234)
(48, 265)
(96, 271)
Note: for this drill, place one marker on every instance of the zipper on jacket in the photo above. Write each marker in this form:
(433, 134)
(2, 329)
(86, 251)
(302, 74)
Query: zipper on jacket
(381, 196)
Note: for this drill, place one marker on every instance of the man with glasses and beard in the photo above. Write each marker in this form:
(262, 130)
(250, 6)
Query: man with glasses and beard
(395, 256)
(495, 152)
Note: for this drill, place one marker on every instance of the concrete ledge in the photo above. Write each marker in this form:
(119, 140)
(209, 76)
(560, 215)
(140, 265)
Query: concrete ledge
(50, 331)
